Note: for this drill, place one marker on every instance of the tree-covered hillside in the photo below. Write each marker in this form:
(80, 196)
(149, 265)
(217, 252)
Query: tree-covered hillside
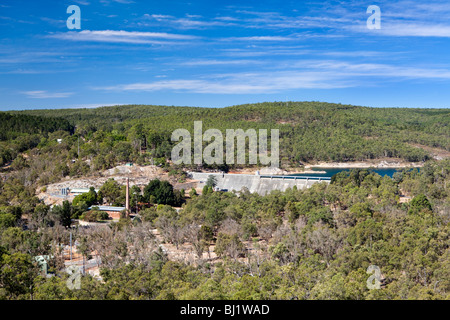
(19, 133)
(309, 131)
(309, 244)
(12, 126)
(313, 243)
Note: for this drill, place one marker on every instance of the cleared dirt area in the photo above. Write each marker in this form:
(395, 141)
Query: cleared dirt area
(138, 175)
(437, 153)
(376, 163)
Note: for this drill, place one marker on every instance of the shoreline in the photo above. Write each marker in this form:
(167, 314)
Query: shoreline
(308, 167)
(379, 164)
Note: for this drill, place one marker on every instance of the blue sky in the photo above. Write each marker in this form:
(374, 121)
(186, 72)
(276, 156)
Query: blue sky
(222, 53)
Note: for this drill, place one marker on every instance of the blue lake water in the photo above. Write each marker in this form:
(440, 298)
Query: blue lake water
(329, 172)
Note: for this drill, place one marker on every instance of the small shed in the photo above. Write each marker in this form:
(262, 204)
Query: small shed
(78, 191)
(113, 212)
(43, 263)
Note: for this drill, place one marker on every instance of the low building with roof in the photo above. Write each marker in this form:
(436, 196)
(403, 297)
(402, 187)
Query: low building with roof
(113, 212)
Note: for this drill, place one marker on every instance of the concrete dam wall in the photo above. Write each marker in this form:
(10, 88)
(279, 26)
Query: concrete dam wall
(262, 184)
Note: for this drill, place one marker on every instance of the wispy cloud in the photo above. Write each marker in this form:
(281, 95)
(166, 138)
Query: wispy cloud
(82, 2)
(11, 20)
(54, 22)
(42, 94)
(344, 19)
(120, 36)
(30, 56)
(374, 70)
(22, 71)
(412, 30)
(407, 19)
(275, 20)
(94, 105)
(260, 51)
(189, 21)
(303, 75)
(246, 19)
(158, 17)
(245, 83)
(261, 38)
(212, 62)
(116, 1)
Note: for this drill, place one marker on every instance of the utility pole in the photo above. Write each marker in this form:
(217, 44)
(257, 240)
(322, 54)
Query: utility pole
(127, 197)
(70, 245)
(136, 199)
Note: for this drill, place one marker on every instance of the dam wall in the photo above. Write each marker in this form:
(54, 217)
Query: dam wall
(262, 184)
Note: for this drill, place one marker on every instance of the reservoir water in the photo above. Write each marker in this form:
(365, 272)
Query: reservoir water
(329, 172)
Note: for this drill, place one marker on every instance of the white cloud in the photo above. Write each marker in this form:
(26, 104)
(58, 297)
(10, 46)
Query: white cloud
(94, 105)
(54, 22)
(407, 19)
(398, 19)
(415, 30)
(23, 71)
(117, 1)
(42, 94)
(374, 69)
(260, 38)
(220, 62)
(244, 83)
(158, 17)
(82, 2)
(120, 36)
(302, 75)
(188, 22)
(227, 18)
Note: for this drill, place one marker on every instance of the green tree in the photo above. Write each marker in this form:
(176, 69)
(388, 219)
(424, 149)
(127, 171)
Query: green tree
(211, 181)
(419, 203)
(229, 245)
(207, 190)
(135, 196)
(162, 192)
(193, 193)
(89, 198)
(7, 220)
(17, 274)
(63, 213)
(112, 192)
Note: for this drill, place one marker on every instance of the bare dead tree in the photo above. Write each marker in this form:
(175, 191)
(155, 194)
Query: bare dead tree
(231, 227)
(256, 257)
(192, 234)
(324, 241)
(171, 230)
(281, 232)
(142, 243)
(103, 244)
(266, 230)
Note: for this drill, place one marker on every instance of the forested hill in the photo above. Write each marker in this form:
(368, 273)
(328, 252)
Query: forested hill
(12, 126)
(22, 132)
(310, 131)
(303, 243)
